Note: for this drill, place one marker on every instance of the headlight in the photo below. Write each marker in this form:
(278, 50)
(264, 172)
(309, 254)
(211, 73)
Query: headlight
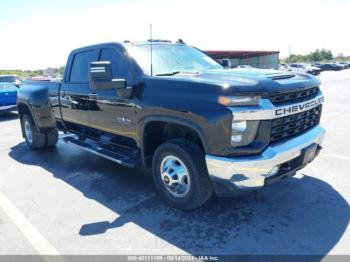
(243, 132)
(238, 100)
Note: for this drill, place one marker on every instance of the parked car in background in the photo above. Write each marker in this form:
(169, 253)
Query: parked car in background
(330, 67)
(319, 65)
(41, 78)
(10, 79)
(303, 68)
(345, 64)
(245, 66)
(8, 97)
(282, 67)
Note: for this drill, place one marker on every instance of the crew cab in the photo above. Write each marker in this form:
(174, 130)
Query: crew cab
(170, 107)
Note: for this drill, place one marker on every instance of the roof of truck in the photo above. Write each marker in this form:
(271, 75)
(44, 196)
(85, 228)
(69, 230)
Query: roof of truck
(126, 43)
(95, 46)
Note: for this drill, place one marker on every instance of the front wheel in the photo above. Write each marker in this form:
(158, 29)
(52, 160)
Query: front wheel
(180, 174)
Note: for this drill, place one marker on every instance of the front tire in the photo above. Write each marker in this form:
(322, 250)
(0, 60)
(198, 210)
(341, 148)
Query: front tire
(180, 174)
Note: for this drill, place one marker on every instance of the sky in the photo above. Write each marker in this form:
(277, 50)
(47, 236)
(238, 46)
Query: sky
(36, 34)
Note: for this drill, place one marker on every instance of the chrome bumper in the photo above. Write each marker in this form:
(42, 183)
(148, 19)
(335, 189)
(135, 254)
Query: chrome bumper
(8, 108)
(249, 172)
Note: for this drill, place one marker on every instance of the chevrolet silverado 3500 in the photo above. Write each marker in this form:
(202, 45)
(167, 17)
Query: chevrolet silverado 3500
(169, 107)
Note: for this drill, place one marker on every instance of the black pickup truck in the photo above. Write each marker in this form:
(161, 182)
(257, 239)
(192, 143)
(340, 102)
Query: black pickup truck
(168, 106)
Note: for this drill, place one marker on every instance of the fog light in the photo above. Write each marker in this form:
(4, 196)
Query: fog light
(273, 171)
(239, 126)
(236, 139)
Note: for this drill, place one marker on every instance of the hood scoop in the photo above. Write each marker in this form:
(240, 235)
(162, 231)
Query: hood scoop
(280, 76)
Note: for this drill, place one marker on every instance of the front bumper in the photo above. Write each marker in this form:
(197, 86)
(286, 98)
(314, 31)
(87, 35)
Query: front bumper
(233, 174)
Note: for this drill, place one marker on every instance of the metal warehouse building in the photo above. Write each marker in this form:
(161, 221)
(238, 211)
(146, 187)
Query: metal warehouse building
(259, 59)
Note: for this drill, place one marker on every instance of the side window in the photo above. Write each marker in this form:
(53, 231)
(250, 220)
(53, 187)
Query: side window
(80, 67)
(119, 66)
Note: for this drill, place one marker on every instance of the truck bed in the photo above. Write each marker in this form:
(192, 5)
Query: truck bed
(38, 90)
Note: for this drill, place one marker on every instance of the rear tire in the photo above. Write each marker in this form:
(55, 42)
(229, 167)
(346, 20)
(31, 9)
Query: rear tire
(180, 174)
(34, 139)
(52, 138)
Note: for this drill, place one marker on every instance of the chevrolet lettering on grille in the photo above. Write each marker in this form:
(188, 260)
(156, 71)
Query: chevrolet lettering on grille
(298, 108)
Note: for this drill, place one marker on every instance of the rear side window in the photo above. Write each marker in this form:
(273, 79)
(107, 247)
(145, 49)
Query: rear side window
(119, 67)
(80, 67)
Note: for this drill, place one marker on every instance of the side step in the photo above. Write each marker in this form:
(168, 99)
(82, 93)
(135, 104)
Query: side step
(121, 156)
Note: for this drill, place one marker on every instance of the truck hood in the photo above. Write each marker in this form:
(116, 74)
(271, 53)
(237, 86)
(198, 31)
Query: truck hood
(246, 80)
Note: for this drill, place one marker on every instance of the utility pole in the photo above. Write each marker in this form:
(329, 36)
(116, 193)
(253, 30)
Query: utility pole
(151, 38)
(290, 53)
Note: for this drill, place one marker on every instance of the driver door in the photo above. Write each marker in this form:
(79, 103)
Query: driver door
(110, 112)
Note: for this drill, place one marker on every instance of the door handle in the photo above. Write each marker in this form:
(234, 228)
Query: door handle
(93, 96)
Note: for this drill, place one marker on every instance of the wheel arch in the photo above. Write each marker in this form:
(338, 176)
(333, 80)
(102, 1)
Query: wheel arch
(24, 108)
(160, 125)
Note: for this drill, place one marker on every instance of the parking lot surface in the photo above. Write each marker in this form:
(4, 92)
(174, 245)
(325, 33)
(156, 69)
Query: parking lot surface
(67, 201)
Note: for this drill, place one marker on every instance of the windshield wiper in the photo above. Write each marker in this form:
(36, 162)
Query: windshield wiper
(169, 74)
(176, 72)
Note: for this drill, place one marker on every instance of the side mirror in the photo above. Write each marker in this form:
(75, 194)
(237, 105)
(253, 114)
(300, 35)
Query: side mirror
(100, 76)
(226, 63)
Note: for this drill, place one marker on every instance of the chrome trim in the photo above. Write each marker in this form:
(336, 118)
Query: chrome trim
(8, 107)
(175, 176)
(266, 110)
(28, 131)
(246, 172)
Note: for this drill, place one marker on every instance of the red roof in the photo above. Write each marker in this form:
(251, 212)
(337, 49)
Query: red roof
(237, 54)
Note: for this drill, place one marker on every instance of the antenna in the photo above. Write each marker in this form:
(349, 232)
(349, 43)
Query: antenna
(151, 38)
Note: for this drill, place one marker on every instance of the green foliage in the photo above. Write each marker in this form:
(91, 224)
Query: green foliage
(59, 70)
(24, 74)
(319, 55)
(341, 58)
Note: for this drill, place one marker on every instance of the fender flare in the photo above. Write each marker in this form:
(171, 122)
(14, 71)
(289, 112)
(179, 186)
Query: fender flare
(22, 102)
(32, 111)
(169, 119)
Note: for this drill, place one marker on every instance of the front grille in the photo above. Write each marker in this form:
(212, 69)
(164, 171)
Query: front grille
(294, 97)
(289, 126)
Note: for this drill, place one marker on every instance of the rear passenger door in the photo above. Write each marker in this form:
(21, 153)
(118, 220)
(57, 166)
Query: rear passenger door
(114, 114)
(75, 91)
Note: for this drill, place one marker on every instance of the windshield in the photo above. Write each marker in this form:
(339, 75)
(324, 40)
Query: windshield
(8, 79)
(171, 59)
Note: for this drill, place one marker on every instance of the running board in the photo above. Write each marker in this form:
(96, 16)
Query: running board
(115, 155)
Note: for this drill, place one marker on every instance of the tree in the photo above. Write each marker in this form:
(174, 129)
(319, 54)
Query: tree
(59, 70)
(315, 56)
